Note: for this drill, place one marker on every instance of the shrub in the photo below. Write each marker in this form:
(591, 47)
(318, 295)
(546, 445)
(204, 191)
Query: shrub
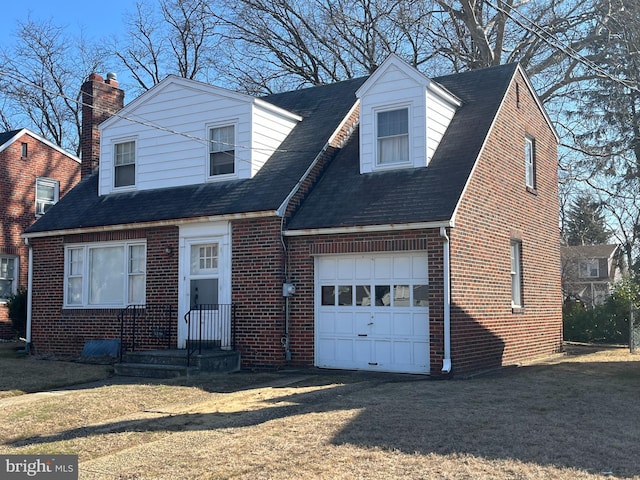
(17, 305)
(606, 323)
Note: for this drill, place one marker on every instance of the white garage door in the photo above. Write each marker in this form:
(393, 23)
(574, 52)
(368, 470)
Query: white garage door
(372, 313)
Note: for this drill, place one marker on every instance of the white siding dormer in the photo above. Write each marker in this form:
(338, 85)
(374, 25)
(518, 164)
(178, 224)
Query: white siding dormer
(172, 126)
(403, 116)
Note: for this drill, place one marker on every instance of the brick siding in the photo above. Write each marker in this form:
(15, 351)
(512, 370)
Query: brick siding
(17, 207)
(496, 208)
(63, 332)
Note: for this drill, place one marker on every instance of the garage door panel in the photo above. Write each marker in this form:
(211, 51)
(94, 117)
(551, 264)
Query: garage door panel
(382, 324)
(326, 351)
(382, 353)
(328, 324)
(344, 350)
(402, 267)
(363, 269)
(383, 268)
(420, 270)
(345, 268)
(403, 324)
(362, 321)
(327, 269)
(403, 353)
(421, 324)
(421, 354)
(344, 322)
(361, 352)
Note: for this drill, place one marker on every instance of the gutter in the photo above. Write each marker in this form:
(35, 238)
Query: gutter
(29, 296)
(446, 361)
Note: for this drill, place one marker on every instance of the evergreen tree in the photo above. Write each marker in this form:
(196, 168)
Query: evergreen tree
(585, 223)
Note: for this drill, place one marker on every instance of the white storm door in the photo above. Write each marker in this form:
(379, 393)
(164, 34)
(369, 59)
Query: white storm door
(204, 291)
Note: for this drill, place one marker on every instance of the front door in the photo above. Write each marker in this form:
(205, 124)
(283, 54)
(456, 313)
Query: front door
(204, 286)
(205, 321)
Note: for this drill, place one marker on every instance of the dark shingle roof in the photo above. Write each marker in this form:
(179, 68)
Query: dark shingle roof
(322, 109)
(345, 198)
(6, 136)
(587, 251)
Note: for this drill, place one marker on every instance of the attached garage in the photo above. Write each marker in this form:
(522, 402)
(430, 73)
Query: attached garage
(372, 312)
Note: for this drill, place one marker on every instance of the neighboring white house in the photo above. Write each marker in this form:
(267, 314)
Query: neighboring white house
(589, 272)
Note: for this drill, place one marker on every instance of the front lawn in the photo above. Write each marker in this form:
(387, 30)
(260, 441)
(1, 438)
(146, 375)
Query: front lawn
(568, 417)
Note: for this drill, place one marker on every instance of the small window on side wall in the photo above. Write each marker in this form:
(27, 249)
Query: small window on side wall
(393, 136)
(8, 277)
(24, 150)
(47, 191)
(516, 274)
(222, 150)
(530, 162)
(124, 164)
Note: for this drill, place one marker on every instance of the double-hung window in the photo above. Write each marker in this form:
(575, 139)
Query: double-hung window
(47, 191)
(8, 277)
(589, 268)
(530, 162)
(393, 136)
(105, 275)
(516, 274)
(124, 164)
(222, 150)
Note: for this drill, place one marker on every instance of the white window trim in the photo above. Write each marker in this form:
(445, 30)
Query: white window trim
(376, 153)
(86, 247)
(56, 193)
(516, 293)
(588, 263)
(230, 123)
(16, 275)
(136, 163)
(530, 162)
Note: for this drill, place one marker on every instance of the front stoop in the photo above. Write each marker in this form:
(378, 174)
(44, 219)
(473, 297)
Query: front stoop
(173, 363)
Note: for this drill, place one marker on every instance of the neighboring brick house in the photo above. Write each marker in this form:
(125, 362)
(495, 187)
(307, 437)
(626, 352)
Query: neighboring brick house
(389, 223)
(34, 174)
(589, 272)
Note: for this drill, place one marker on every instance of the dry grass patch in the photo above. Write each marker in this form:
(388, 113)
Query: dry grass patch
(571, 417)
(25, 374)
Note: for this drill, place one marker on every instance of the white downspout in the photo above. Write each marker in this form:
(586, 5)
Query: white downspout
(29, 295)
(446, 361)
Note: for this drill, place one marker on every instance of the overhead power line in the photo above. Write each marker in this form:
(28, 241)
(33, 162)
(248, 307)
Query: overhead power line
(557, 44)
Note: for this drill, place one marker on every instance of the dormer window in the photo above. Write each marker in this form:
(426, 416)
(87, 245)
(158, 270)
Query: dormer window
(125, 164)
(393, 136)
(222, 150)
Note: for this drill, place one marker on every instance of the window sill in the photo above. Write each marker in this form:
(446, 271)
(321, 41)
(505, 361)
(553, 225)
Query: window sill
(532, 190)
(517, 310)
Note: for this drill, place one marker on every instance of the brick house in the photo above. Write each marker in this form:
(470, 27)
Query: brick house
(389, 223)
(34, 174)
(589, 272)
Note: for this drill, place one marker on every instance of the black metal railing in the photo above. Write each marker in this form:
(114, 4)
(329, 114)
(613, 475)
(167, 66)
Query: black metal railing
(210, 326)
(146, 326)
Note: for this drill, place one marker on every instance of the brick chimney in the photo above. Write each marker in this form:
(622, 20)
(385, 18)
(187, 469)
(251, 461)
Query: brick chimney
(100, 100)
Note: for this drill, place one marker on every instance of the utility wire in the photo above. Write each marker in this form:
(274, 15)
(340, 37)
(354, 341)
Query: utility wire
(558, 45)
(148, 123)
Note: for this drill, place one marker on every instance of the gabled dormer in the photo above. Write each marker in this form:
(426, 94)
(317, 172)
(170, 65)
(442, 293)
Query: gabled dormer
(403, 116)
(183, 132)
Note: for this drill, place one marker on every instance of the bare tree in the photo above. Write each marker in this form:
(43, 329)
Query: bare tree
(40, 81)
(178, 37)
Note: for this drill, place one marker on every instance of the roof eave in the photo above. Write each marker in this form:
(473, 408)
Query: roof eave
(391, 227)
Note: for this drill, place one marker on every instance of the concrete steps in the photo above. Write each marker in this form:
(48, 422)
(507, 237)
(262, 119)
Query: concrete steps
(173, 363)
